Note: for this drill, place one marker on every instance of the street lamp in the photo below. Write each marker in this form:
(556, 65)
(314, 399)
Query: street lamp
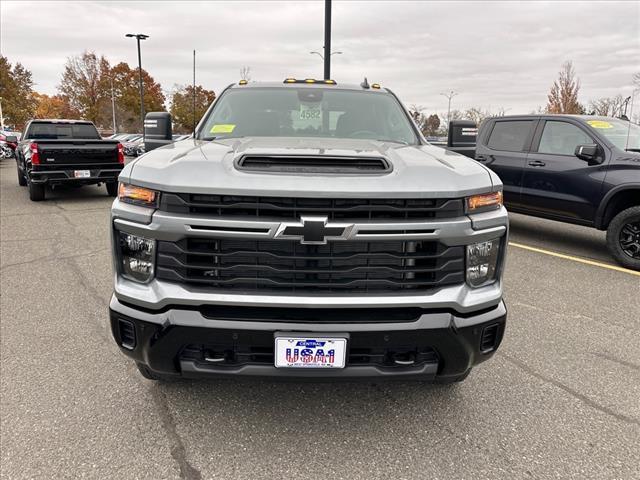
(449, 96)
(138, 37)
(322, 56)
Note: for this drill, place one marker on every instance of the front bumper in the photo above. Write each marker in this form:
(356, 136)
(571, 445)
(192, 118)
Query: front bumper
(436, 344)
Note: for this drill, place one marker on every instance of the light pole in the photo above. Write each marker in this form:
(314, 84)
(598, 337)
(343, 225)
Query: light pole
(138, 37)
(327, 39)
(449, 96)
(113, 109)
(1, 116)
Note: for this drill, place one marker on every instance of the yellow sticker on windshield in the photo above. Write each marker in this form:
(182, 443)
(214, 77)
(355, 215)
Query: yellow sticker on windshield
(222, 128)
(599, 124)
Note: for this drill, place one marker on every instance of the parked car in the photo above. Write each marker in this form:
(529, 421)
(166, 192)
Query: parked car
(8, 144)
(70, 152)
(131, 144)
(571, 168)
(126, 137)
(117, 136)
(313, 233)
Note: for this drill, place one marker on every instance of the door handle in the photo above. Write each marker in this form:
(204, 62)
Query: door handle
(537, 163)
(483, 158)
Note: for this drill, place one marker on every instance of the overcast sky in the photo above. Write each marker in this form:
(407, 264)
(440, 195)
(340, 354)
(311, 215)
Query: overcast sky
(495, 54)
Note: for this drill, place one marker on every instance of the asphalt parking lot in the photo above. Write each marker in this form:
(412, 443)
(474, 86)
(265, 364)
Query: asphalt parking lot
(560, 399)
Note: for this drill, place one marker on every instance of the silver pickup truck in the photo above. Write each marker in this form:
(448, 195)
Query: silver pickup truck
(307, 230)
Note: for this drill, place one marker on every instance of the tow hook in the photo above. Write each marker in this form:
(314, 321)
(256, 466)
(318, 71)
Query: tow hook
(213, 357)
(404, 359)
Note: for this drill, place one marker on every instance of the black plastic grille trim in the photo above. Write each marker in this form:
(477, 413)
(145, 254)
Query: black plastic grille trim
(261, 352)
(312, 315)
(281, 265)
(249, 207)
(127, 333)
(489, 339)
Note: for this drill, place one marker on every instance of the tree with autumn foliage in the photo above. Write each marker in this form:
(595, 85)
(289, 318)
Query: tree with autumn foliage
(53, 106)
(428, 124)
(126, 91)
(88, 83)
(563, 97)
(16, 91)
(182, 111)
(85, 83)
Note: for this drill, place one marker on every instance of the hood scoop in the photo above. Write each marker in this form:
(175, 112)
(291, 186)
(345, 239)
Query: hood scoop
(323, 164)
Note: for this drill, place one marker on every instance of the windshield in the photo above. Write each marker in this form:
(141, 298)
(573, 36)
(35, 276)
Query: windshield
(308, 112)
(60, 131)
(616, 132)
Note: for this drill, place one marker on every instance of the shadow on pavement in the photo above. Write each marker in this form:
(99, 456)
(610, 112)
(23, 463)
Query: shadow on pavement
(559, 237)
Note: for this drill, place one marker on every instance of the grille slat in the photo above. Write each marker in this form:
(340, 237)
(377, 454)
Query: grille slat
(288, 265)
(293, 208)
(247, 267)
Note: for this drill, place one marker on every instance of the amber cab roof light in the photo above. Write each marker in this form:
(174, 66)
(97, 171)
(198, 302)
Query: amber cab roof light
(309, 80)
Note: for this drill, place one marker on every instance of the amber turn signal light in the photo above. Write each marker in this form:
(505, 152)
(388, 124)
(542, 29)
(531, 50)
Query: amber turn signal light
(484, 201)
(137, 195)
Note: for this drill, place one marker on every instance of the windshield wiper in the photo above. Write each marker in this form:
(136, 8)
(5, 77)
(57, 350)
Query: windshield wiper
(210, 139)
(391, 141)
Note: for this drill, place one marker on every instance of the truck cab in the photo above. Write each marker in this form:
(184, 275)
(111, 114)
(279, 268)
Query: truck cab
(572, 168)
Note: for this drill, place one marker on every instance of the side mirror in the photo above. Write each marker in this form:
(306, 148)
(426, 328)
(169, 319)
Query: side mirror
(11, 139)
(589, 152)
(462, 133)
(157, 130)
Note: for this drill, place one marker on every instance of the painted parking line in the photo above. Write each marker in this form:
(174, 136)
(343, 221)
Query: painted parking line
(575, 259)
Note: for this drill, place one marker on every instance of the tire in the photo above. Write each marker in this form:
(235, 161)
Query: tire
(21, 180)
(623, 238)
(112, 189)
(149, 374)
(36, 192)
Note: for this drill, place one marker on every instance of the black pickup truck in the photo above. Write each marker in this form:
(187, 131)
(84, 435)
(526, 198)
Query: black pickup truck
(576, 169)
(70, 152)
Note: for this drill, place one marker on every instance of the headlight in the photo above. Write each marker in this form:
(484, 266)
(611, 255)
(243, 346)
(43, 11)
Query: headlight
(482, 262)
(137, 257)
(141, 196)
(484, 202)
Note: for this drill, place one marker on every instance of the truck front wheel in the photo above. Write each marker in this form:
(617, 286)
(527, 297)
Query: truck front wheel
(623, 238)
(36, 192)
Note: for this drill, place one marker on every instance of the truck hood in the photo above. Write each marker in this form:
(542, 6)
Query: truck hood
(419, 171)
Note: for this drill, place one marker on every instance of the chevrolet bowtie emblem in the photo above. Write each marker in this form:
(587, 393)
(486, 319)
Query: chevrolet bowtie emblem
(314, 231)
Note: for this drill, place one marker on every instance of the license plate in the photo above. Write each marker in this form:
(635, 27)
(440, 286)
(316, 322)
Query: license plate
(81, 173)
(310, 352)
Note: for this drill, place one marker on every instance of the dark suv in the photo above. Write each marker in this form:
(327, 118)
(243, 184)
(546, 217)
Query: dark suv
(576, 169)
